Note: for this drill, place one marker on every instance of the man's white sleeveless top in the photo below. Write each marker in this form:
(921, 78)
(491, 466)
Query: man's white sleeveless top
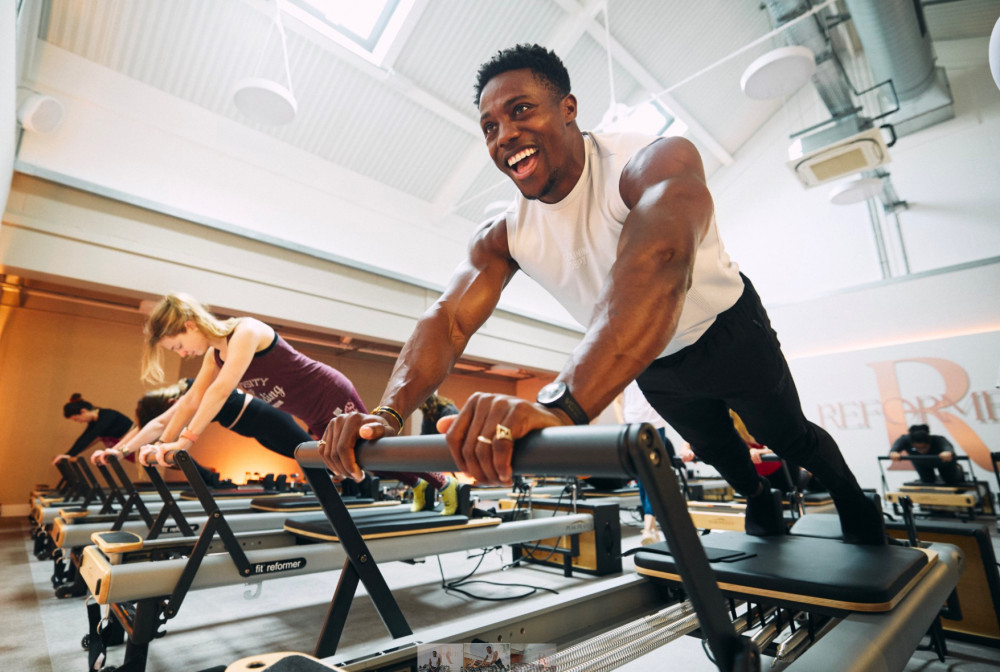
(569, 247)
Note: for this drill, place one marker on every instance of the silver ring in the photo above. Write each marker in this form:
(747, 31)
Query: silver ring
(484, 439)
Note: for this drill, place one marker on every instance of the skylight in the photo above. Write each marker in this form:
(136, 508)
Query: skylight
(367, 28)
(649, 118)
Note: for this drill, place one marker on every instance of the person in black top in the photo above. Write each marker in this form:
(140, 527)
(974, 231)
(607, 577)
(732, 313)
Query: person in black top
(105, 424)
(920, 441)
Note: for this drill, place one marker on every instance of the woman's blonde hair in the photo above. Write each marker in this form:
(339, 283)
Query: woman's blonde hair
(169, 318)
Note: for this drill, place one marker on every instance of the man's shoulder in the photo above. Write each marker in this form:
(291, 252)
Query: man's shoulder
(608, 145)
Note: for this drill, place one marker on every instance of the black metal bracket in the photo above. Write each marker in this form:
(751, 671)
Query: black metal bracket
(652, 465)
(132, 500)
(359, 566)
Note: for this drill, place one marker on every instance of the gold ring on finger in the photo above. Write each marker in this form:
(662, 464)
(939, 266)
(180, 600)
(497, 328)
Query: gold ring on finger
(503, 432)
(483, 439)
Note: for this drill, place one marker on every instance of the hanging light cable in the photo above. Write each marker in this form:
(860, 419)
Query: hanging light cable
(616, 112)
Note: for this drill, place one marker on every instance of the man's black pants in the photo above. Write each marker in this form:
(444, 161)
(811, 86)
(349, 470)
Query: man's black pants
(737, 363)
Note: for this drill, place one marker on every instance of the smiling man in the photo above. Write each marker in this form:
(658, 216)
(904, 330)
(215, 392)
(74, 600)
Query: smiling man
(620, 228)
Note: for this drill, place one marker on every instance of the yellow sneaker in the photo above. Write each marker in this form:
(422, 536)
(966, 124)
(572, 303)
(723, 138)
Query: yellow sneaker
(418, 496)
(449, 497)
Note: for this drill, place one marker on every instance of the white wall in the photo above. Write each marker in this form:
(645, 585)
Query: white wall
(52, 231)
(795, 245)
(871, 356)
(8, 98)
(867, 398)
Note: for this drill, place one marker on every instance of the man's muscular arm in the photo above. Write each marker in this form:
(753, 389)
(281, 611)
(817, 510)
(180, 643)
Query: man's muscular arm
(639, 308)
(437, 342)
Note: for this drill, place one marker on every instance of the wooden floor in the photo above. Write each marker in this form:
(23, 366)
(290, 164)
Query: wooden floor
(221, 625)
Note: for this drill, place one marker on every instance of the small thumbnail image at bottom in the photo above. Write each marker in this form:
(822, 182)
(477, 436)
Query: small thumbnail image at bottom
(485, 657)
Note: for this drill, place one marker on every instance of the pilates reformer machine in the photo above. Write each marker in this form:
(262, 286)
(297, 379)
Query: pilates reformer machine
(166, 515)
(968, 499)
(143, 583)
(184, 513)
(817, 604)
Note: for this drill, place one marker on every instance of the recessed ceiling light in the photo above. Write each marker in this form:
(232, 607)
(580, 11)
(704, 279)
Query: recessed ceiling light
(778, 72)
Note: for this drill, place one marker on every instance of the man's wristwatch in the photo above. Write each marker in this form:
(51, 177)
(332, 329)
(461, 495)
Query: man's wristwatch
(557, 395)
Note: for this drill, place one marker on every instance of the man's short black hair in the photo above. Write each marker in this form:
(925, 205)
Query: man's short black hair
(541, 61)
(920, 434)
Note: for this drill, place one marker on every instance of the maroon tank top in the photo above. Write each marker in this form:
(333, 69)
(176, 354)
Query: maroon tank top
(312, 391)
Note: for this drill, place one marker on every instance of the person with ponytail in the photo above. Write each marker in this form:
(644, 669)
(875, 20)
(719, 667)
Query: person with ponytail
(104, 424)
(247, 353)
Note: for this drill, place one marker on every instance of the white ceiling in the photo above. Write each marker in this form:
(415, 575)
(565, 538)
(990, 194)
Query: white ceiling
(412, 126)
(388, 124)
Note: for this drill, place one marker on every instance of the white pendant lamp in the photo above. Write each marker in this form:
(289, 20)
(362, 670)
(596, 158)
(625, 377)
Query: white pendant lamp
(855, 191)
(995, 53)
(778, 73)
(264, 100)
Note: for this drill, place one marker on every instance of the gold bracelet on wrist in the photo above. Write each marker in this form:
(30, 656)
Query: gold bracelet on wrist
(391, 411)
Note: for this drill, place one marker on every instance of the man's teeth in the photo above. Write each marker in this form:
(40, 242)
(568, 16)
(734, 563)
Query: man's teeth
(523, 154)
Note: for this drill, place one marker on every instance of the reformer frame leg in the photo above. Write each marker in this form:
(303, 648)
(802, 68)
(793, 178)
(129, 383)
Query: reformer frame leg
(336, 616)
(359, 566)
(652, 463)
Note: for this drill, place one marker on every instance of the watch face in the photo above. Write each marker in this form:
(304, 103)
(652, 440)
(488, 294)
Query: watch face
(551, 392)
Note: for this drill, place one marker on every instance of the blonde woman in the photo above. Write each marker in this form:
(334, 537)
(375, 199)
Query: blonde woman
(247, 353)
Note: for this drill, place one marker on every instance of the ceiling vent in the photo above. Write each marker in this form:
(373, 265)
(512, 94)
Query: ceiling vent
(824, 156)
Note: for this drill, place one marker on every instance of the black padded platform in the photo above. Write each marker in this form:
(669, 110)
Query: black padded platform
(311, 503)
(300, 503)
(823, 575)
(938, 483)
(373, 522)
(230, 493)
(978, 588)
(631, 491)
(819, 525)
(817, 499)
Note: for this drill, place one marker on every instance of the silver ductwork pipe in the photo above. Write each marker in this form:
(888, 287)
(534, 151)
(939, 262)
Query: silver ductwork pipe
(834, 91)
(895, 39)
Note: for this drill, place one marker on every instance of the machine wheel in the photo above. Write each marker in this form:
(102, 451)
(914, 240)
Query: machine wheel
(85, 642)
